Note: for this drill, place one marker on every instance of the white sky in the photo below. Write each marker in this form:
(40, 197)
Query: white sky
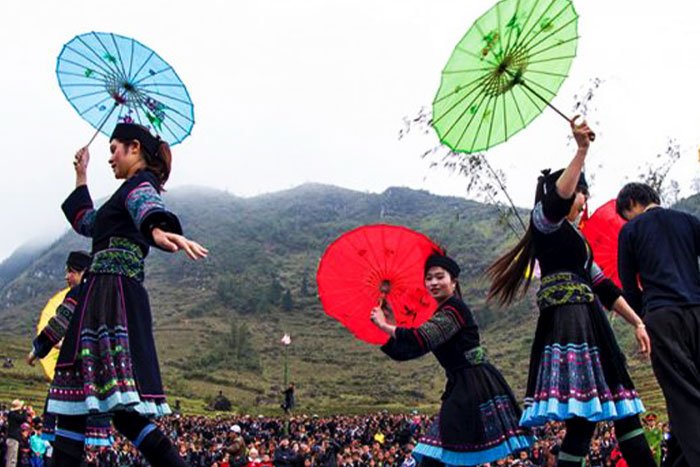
(288, 92)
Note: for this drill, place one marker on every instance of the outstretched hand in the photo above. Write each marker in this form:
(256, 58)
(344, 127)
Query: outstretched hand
(174, 242)
(582, 133)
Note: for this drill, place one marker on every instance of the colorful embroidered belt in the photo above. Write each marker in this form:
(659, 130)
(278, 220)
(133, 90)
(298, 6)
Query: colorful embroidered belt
(476, 356)
(563, 288)
(123, 257)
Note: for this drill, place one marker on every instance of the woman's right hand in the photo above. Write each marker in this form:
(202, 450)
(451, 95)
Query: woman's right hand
(377, 316)
(80, 163)
(581, 132)
(643, 341)
(173, 242)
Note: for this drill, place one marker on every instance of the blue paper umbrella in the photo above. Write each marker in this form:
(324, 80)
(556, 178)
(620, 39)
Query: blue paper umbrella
(112, 79)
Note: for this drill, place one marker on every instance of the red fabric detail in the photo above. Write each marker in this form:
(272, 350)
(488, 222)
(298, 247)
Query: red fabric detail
(601, 231)
(79, 216)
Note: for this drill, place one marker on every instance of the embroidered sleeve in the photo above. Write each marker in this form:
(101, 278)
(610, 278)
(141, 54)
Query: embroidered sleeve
(597, 275)
(147, 210)
(415, 342)
(402, 349)
(604, 288)
(549, 213)
(79, 211)
(542, 223)
(440, 328)
(56, 328)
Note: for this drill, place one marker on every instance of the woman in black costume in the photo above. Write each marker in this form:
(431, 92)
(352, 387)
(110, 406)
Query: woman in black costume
(478, 419)
(108, 362)
(577, 371)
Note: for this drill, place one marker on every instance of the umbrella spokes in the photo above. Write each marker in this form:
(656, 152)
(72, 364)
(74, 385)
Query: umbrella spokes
(504, 71)
(96, 69)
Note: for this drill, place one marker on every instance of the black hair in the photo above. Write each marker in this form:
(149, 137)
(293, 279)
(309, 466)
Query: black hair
(640, 193)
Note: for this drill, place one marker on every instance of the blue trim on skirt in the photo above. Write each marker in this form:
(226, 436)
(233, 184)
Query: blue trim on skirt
(99, 441)
(117, 401)
(72, 435)
(593, 410)
(454, 458)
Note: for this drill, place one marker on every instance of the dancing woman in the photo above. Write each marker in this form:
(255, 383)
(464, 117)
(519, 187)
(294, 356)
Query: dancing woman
(98, 427)
(577, 370)
(108, 362)
(478, 419)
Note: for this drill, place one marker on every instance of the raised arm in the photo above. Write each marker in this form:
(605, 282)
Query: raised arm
(566, 185)
(80, 163)
(78, 207)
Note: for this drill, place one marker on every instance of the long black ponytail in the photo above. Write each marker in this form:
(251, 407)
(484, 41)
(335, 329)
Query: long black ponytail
(511, 274)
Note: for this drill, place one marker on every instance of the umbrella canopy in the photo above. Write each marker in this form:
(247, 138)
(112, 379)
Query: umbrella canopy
(602, 230)
(112, 79)
(48, 363)
(371, 265)
(504, 71)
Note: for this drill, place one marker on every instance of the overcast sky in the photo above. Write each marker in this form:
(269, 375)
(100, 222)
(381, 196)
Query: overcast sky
(288, 92)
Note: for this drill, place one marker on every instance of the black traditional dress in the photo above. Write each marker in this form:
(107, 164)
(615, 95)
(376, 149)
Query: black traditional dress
(478, 419)
(108, 360)
(98, 428)
(576, 366)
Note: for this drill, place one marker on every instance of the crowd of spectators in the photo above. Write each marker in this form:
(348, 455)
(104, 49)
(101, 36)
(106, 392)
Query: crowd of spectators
(377, 440)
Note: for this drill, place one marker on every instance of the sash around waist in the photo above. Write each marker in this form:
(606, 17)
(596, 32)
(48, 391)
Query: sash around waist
(563, 288)
(122, 257)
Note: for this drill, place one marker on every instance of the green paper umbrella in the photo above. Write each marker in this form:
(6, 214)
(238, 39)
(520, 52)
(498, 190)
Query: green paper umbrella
(504, 71)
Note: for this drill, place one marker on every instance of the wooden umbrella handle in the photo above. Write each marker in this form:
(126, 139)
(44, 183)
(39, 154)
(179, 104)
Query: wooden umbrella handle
(591, 134)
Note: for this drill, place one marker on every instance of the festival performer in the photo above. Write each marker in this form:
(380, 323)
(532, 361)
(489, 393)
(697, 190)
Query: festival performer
(661, 246)
(478, 419)
(98, 427)
(108, 362)
(577, 370)
(76, 265)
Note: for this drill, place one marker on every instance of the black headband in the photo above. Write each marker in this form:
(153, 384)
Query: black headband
(78, 260)
(130, 131)
(445, 262)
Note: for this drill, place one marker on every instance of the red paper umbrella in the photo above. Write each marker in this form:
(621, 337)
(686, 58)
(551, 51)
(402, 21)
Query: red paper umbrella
(371, 265)
(601, 231)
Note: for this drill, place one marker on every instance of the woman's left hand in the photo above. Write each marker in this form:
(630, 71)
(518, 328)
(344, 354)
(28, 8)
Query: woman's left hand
(31, 358)
(377, 316)
(174, 242)
(643, 341)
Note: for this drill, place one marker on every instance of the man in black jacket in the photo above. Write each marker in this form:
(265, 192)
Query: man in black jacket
(659, 249)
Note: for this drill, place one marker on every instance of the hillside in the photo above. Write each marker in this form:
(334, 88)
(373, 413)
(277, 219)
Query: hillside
(218, 322)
